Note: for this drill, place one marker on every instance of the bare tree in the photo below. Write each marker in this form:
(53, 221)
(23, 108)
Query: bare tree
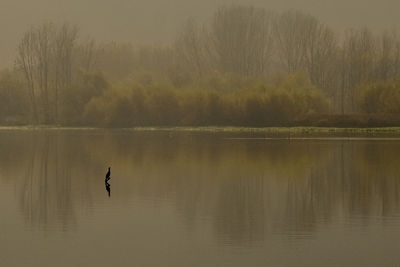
(388, 56)
(45, 57)
(189, 47)
(290, 30)
(320, 53)
(242, 39)
(26, 61)
(358, 61)
(85, 53)
(43, 54)
(63, 47)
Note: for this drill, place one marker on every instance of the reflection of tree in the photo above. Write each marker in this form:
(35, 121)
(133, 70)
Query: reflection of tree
(373, 178)
(240, 210)
(45, 196)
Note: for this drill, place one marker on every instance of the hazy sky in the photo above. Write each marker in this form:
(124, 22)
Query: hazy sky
(156, 21)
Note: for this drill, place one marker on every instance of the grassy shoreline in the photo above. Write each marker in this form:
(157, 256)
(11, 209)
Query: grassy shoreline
(227, 129)
(277, 130)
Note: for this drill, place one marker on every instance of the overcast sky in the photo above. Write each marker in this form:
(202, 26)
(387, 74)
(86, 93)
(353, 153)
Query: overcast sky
(156, 21)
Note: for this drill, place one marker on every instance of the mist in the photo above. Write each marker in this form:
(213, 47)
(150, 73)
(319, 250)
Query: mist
(156, 21)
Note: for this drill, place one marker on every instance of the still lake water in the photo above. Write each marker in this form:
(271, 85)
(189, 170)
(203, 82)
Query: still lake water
(186, 199)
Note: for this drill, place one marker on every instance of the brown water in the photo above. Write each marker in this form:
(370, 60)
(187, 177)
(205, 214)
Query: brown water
(196, 200)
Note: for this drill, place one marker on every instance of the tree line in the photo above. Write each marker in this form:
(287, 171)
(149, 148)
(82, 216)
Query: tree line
(245, 66)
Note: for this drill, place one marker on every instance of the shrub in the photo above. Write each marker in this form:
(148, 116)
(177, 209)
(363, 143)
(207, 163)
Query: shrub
(383, 97)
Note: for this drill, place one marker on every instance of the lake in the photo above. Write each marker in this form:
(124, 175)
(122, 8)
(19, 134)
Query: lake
(196, 199)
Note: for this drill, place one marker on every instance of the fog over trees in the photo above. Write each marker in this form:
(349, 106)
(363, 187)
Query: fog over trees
(244, 66)
(156, 21)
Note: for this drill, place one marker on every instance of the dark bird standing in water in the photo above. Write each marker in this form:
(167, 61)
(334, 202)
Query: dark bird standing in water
(108, 174)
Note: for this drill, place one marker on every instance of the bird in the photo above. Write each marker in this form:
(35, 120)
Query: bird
(108, 174)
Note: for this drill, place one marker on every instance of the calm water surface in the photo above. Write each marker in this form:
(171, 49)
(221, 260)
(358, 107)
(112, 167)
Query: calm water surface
(196, 200)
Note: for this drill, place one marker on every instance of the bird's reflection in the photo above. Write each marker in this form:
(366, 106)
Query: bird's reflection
(108, 188)
(108, 177)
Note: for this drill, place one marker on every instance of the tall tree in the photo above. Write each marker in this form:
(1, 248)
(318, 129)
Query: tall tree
(242, 39)
(45, 57)
(26, 60)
